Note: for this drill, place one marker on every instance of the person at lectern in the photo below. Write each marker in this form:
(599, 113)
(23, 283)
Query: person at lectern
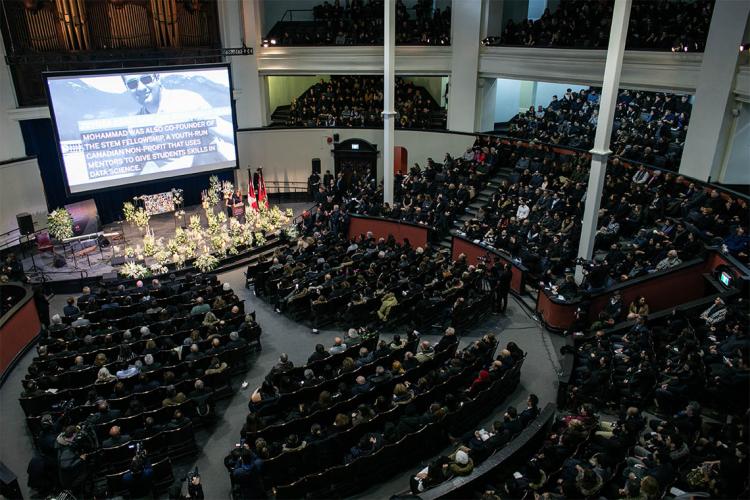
(235, 207)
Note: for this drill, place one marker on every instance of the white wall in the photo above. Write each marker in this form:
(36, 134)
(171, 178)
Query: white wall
(508, 94)
(21, 190)
(545, 91)
(282, 89)
(737, 168)
(286, 154)
(536, 8)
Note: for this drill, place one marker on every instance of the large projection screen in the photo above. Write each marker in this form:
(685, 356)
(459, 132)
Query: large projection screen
(135, 125)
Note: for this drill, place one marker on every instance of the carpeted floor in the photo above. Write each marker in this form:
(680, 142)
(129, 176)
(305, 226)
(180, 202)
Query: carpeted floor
(280, 334)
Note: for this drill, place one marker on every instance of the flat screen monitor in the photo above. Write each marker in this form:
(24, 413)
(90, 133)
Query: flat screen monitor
(135, 125)
(725, 278)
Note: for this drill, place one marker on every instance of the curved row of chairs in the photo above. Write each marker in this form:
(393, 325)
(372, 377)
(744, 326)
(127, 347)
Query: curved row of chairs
(185, 373)
(347, 479)
(338, 310)
(502, 461)
(302, 425)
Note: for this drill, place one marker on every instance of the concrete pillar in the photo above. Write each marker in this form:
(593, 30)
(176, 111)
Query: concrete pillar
(239, 21)
(466, 18)
(599, 155)
(11, 140)
(389, 91)
(708, 132)
(486, 104)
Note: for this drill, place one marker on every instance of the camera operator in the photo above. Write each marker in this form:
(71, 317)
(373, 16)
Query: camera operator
(194, 486)
(71, 460)
(139, 476)
(245, 469)
(42, 468)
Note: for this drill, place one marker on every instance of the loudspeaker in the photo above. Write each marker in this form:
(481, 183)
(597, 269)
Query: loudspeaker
(103, 242)
(59, 261)
(335, 138)
(25, 223)
(316, 165)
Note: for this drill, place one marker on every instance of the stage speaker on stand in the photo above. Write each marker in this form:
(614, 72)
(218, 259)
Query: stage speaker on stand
(316, 166)
(25, 223)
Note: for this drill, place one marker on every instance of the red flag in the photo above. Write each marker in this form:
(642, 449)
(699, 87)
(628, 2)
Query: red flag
(262, 196)
(251, 199)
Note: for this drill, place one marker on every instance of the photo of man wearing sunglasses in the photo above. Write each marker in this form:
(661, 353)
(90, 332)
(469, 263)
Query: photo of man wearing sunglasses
(146, 90)
(154, 98)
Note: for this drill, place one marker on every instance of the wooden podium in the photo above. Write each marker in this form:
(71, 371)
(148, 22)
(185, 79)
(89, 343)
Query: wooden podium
(238, 210)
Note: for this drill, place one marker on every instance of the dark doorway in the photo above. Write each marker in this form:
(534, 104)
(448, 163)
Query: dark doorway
(356, 159)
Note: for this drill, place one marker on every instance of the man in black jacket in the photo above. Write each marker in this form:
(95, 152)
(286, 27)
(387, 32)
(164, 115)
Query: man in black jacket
(503, 288)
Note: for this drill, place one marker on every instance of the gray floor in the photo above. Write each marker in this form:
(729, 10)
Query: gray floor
(280, 334)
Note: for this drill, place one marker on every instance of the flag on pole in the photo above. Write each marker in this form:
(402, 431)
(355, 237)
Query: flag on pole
(262, 195)
(251, 199)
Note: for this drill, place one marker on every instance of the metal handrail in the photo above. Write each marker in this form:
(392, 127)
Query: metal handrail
(291, 14)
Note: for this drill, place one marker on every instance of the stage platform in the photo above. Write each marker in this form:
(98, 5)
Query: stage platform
(98, 263)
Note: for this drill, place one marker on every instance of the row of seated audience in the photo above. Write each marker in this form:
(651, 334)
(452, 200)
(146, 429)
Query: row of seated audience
(357, 101)
(360, 22)
(438, 194)
(680, 26)
(127, 364)
(682, 369)
(334, 400)
(434, 196)
(649, 127)
(475, 446)
(649, 221)
(367, 281)
(650, 408)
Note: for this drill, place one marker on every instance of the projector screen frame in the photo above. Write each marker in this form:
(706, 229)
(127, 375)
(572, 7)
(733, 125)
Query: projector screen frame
(139, 69)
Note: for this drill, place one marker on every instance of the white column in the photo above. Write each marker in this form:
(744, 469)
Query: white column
(466, 20)
(11, 140)
(486, 104)
(707, 135)
(599, 155)
(239, 21)
(389, 115)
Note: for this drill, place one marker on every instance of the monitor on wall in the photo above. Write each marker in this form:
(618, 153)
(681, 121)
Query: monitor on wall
(136, 125)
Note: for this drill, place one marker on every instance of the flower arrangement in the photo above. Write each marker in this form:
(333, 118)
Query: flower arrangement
(129, 252)
(178, 259)
(289, 213)
(60, 224)
(260, 239)
(180, 236)
(195, 223)
(290, 232)
(128, 211)
(206, 263)
(139, 217)
(157, 268)
(227, 188)
(177, 197)
(149, 245)
(133, 270)
(210, 197)
(163, 256)
(218, 244)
